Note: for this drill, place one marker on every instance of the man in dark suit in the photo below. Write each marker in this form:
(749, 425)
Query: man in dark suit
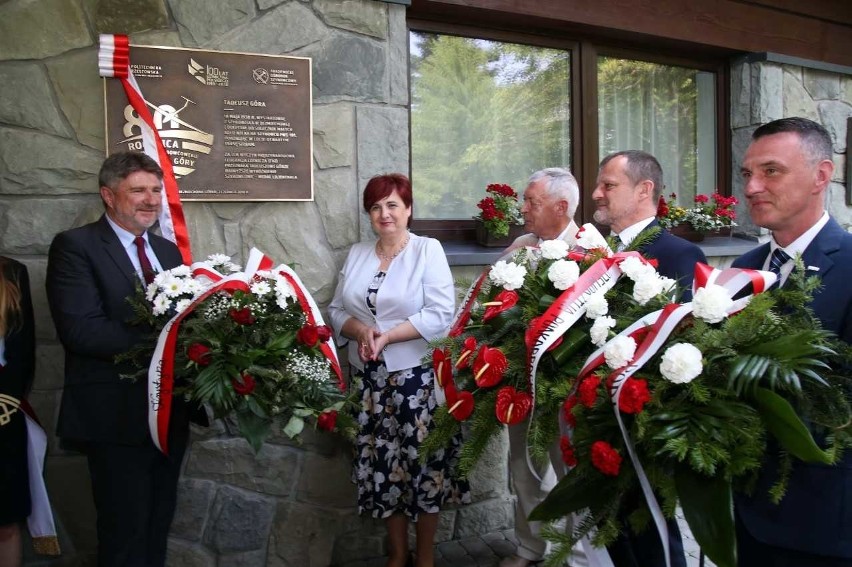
(786, 171)
(91, 272)
(626, 194)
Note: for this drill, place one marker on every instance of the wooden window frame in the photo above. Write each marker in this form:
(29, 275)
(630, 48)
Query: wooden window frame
(584, 106)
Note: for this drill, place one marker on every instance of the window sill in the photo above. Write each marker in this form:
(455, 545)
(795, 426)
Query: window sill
(472, 254)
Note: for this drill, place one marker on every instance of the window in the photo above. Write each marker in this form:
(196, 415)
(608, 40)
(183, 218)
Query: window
(665, 110)
(496, 109)
(483, 112)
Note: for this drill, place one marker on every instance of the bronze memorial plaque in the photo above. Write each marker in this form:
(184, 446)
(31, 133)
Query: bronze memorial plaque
(237, 126)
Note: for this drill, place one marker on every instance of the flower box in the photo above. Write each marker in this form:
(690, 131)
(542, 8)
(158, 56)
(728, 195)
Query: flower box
(687, 232)
(484, 238)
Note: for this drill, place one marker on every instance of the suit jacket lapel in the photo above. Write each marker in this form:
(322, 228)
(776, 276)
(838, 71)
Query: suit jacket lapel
(116, 252)
(818, 253)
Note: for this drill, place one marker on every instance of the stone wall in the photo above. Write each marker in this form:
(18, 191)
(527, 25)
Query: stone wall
(288, 505)
(764, 91)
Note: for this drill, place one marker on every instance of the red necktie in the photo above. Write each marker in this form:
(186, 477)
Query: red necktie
(144, 262)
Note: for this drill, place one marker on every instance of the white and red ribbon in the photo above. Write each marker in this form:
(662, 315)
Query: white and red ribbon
(114, 62)
(161, 369)
(651, 333)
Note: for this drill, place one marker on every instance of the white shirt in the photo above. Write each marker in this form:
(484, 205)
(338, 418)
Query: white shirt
(796, 247)
(631, 232)
(128, 241)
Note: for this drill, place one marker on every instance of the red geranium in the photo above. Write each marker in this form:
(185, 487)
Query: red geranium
(701, 198)
(588, 391)
(199, 354)
(489, 366)
(244, 385)
(512, 406)
(242, 316)
(662, 207)
(605, 458)
(327, 420)
(567, 449)
(634, 395)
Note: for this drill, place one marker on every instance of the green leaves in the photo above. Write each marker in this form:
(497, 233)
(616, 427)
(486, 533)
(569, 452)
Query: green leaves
(708, 508)
(781, 421)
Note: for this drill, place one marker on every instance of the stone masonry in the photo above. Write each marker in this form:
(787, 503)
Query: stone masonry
(288, 505)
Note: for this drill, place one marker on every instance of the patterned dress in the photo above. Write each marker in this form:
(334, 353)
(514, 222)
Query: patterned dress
(395, 417)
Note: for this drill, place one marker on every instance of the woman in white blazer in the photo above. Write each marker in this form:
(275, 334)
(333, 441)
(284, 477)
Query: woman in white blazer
(393, 295)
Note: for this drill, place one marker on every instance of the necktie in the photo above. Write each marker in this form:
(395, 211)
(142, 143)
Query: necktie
(619, 244)
(144, 262)
(778, 259)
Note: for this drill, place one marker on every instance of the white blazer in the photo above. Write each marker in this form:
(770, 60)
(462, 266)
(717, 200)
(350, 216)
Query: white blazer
(418, 287)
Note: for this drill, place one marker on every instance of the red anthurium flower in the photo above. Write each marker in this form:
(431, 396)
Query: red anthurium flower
(502, 301)
(466, 353)
(459, 404)
(199, 354)
(489, 366)
(241, 316)
(327, 420)
(443, 367)
(605, 458)
(244, 385)
(512, 406)
(634, 395)
(567, 449)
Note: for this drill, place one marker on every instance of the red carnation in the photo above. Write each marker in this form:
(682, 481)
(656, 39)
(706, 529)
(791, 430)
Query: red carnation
(242, 316)
(327, 420)
(605, 458)
(568, 410)
(568, 456)
(244, 385)
(199, 354)
(634, 395)
(587, 391)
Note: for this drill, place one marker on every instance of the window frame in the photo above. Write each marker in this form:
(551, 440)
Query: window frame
(584, 107)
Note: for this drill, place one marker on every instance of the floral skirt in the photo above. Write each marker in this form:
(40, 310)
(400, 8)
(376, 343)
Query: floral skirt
(395, 417)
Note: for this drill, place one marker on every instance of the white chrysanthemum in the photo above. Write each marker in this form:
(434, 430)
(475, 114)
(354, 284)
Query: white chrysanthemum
(711, 303)
(619, 351)
(597, 306)
(553, 249)
(647, 288)
(283, 289)
(681, 363)
(563, 273)
(600, 330)
(181, 271)
(261, 288)
(668, 284)
(508, 275)
(590, 238)
(193, 287)
(172, 286)
(635, 269)
(218, 259)
(181, 305)
(151, 291)
(161, 304)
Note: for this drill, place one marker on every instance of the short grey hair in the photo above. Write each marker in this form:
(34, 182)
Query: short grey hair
(560, 185)
(815, 139)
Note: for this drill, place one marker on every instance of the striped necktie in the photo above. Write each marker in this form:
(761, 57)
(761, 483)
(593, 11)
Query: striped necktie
(778, 259)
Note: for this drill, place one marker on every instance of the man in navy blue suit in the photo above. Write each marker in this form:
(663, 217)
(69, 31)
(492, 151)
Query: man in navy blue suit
(628, 188)
(91, 271)
(786, 171)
